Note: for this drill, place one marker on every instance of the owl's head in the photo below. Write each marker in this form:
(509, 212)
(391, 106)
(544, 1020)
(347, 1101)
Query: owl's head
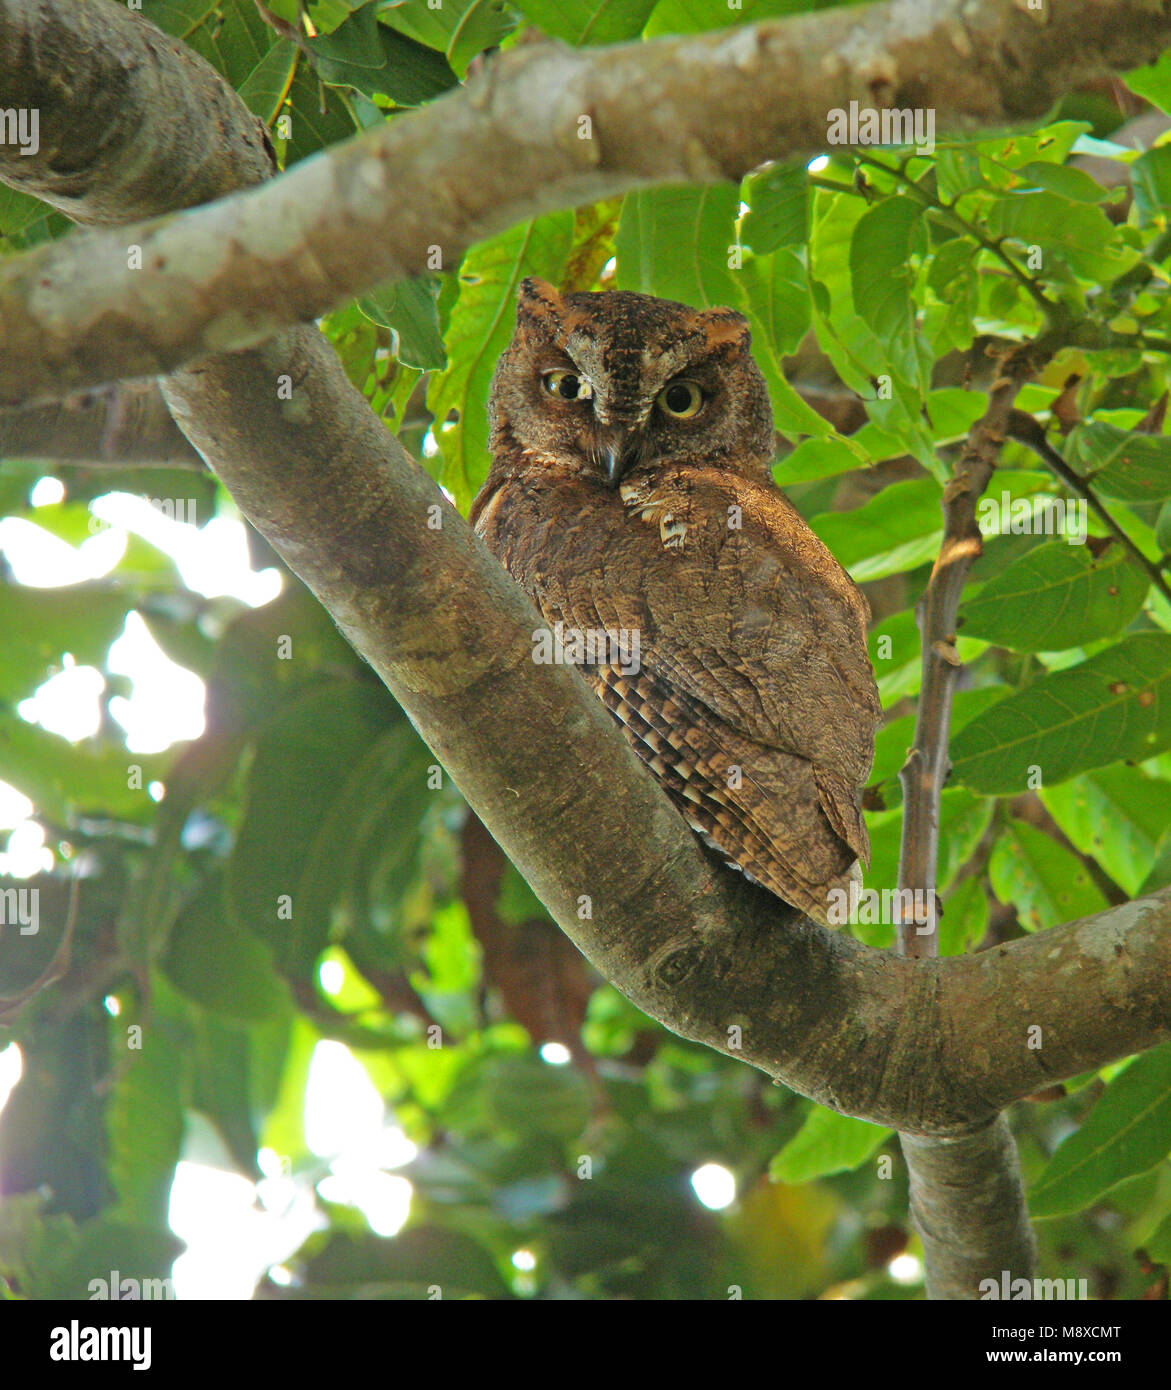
(601, 384)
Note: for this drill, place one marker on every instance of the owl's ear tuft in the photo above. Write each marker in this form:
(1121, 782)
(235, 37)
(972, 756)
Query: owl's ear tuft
(539, 296)
(725, 327)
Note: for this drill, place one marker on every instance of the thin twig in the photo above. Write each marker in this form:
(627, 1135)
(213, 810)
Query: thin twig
(1025, 430)
(926, 768)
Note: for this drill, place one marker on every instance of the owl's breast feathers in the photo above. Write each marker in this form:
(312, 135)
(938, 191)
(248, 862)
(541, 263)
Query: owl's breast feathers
(752, 698)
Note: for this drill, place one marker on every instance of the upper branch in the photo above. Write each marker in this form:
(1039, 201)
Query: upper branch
(543, 127)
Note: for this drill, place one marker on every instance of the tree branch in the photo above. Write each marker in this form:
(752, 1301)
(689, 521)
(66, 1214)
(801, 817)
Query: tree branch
(127, 425)
(925, 771)
(697, 109)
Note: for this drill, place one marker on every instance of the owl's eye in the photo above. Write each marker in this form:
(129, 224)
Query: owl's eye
(682, 399)
(566, 386)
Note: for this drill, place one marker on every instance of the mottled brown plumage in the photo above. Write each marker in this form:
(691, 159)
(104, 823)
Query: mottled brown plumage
(630, 492)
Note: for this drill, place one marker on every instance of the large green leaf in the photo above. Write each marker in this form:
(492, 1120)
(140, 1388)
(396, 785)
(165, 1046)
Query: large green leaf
(775, 296)
(1116, 814)
(1046, 884)
(144, 1121)
(368, 56)
(1150, 176)
(1077, 234)
(338, 770)
(698, 16)
(411, 1265)
(896, 530)
(582, 22)
(62, 779)
(896, 653)
(459, 29)
(1116, 705)
(479, 330)
(826, 1143)
(676, 243)
(1119, 463)
(411, 308)
(225, 970)
(1127, 1132)
(1058, 595)
(885, 238)
(41, 625)
(778, 208)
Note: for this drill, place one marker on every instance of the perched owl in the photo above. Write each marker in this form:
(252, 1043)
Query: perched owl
(630, 496)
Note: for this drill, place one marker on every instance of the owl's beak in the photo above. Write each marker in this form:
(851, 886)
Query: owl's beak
(619, 452)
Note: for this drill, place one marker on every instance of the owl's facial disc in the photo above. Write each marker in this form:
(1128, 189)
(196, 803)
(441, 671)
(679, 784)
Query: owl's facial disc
(614, 432)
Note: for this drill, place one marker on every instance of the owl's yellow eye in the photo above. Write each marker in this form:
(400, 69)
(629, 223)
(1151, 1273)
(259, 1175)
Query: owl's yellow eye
(682, 399)
(566, 386)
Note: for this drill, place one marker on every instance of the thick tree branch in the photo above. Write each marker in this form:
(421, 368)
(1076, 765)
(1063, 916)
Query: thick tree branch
(126, 425)
(697, 109)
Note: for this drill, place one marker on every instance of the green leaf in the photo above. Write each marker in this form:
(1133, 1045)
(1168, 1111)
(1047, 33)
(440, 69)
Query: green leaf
(320, 116)
(895, 738)
(1150, 176)
(963, 820)
(676, 243)
(480, 328)
(775, 297)
(408, 1265)
(581, 22)
(1116, 814)
(336, 772)
(411, 308)
(858, 353)
(1160, 875)
(1057, 596)
(1040, 878)
(817, 458)
(964, 918)
(826, 1143)
(897, 530)
(219, 967)
(1127, 1132)
(778, 208)
(1079, 235)
(1064, 180)
(63, 780)
(1115, 706)
(1120, 463)
(366, 55)
(699, 16)
(885, 238)
(459, 29)
(953, 412)
(41, 625)
(144, 1121)
(1153, 82)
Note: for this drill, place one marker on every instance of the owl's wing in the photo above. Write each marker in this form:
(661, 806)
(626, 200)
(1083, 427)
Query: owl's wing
(750, 695)
(758, 624)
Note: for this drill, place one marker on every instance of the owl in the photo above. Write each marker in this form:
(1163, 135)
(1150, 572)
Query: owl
(630, 496)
